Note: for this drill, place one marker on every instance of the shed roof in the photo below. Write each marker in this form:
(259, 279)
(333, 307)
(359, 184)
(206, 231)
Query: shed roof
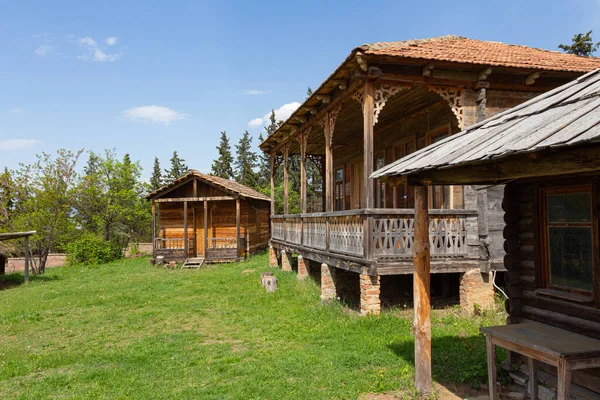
(15, 235)
(566, 116)
(221, 183)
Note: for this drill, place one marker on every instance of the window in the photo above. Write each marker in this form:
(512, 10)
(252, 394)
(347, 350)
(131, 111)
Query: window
(446, 197)
(380, 186)
(568, 236)
(339, 189)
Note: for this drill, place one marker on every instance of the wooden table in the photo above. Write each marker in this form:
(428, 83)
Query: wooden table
(565, 350)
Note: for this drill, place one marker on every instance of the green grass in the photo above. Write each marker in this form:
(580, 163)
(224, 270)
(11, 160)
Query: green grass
(132, 330)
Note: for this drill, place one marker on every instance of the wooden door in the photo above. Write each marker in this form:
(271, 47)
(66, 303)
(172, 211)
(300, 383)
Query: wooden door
(199, 231)
(357, 185)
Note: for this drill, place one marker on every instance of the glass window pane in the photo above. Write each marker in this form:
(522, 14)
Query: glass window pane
(570, 256)
(570, 207)
(339, 175)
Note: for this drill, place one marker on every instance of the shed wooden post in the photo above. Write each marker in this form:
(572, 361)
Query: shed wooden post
(421, 299)
(153, 230)
(185, 230)
(26, 270)
(205, 220)
(272, 160)
(237, 226)
(286, 185)
(328, 167)
(368, 200)
(303, 143)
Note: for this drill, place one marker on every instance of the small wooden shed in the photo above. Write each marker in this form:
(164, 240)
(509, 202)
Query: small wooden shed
(547, 154)
(204, 216)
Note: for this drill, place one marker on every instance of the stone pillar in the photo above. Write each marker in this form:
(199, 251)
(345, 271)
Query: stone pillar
(273, 258)
(476, 291)
(370, 303)
(328, 291)
(286, 261)
(302, 268)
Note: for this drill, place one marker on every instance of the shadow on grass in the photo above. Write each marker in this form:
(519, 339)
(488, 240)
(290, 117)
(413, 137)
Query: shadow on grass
(454, 359)
(10, 281)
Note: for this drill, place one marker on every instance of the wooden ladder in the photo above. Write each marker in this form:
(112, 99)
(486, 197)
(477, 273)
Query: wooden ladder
(195, 262)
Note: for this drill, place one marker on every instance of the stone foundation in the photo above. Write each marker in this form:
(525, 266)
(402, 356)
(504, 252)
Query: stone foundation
(286, 261)
(370, 303)
(476, 291)
(328, 290)
(302, 268)
(273, 263)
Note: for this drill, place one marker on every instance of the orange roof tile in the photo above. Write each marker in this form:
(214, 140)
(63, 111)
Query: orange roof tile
(464, 50)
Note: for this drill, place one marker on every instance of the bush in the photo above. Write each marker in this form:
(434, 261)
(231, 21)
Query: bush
(92, 249)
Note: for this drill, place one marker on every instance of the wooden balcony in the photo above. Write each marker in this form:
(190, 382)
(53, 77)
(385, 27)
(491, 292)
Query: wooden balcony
(381, 237)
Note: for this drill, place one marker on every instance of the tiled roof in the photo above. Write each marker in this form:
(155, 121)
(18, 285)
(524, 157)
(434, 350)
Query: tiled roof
(566, 116)
(227, 185)
(464, 50)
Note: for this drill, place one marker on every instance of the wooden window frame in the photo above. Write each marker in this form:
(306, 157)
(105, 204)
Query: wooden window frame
(380, 187)
(543, 272)
(444, 129)
(401, 144)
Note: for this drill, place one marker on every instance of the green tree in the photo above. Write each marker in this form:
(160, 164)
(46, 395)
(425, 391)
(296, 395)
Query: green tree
(263, 177)
(309, 92)
(178, 168)
(245, 162)
(6, 197)
(44, 198)
(156, 178)
(582, 45)
(222, 166)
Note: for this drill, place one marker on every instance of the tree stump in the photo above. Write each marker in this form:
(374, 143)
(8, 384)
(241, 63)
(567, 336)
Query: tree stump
(270, 283)
(160, 260)
(263, 275)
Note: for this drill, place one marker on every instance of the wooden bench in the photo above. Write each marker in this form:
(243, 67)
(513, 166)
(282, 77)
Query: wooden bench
(565, 350)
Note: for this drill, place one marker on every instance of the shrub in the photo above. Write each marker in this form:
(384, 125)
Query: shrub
(92, 249)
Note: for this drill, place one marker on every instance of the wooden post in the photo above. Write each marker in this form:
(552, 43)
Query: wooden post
(328, 166)
(185, 230)
(491, 354)
(153, 231)
(237, 226)
(205, 220)
(303, 143)
(421, 299)
(323, 185)
(286, 150)
(368, 200)
(272, 160)
(26, 270)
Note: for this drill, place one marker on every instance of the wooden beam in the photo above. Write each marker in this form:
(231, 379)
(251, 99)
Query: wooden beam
(312, 110)
(325, 98)
(184, 199)
(340, 83)
(26, 269)
(194, 232)
(362, 63)
(484, 74)
(421, 292)
(286, 183)
(427, 69)
(303, 144)
(328, 166)
(153, 231)
(195, 187)
(368, 182)
(272, 161)
(530, 80)
(237, 227)
(300, 118)
(554, 162)
(185, 230)
(205, 221)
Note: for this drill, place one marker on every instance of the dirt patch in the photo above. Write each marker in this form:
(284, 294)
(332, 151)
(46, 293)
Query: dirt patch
(441, 392)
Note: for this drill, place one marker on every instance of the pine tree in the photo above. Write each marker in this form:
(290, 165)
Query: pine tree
(582, 45)
(222, 165)
(309, 92)
(178, 168)
(156, 178)
(263, 179)
(245, 162)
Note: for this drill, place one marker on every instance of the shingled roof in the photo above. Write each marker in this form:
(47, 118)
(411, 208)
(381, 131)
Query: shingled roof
(566, 116)
(221, 183)
(469, 51)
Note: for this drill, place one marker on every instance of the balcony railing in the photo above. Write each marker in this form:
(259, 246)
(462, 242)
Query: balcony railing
(389, 232)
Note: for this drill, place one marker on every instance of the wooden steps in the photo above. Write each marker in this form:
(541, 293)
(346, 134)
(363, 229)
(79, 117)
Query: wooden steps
(195, 262)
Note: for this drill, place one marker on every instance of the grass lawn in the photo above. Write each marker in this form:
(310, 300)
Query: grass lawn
(132, 330)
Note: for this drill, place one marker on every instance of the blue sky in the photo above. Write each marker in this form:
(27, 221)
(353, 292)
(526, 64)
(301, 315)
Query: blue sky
(150, 77)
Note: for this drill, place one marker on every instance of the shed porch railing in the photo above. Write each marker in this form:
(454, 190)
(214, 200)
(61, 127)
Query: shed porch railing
(390, 232)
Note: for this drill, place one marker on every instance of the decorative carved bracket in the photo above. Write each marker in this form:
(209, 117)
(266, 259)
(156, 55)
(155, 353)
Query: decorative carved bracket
(382, 94)
(330, 119)
(303, 140)
(454, 97)
(277, 161)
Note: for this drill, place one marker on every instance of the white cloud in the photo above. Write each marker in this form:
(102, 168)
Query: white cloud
(87, 41)
(16, 110)
(17, 144)
(256, 92)
(153, 114)
(281, 114)
(111, 41)
(43, 50)
(100, 56)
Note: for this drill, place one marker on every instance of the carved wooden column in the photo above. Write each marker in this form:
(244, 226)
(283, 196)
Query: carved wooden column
(421, 291)
(328, 166)
(272, 160)
(368, 120)
(153, 231)
(303, 141)
(286, 152)
(185, 230)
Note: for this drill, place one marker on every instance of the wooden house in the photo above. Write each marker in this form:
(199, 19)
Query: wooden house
(546, 154)
(384, 101)
(204, 216)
